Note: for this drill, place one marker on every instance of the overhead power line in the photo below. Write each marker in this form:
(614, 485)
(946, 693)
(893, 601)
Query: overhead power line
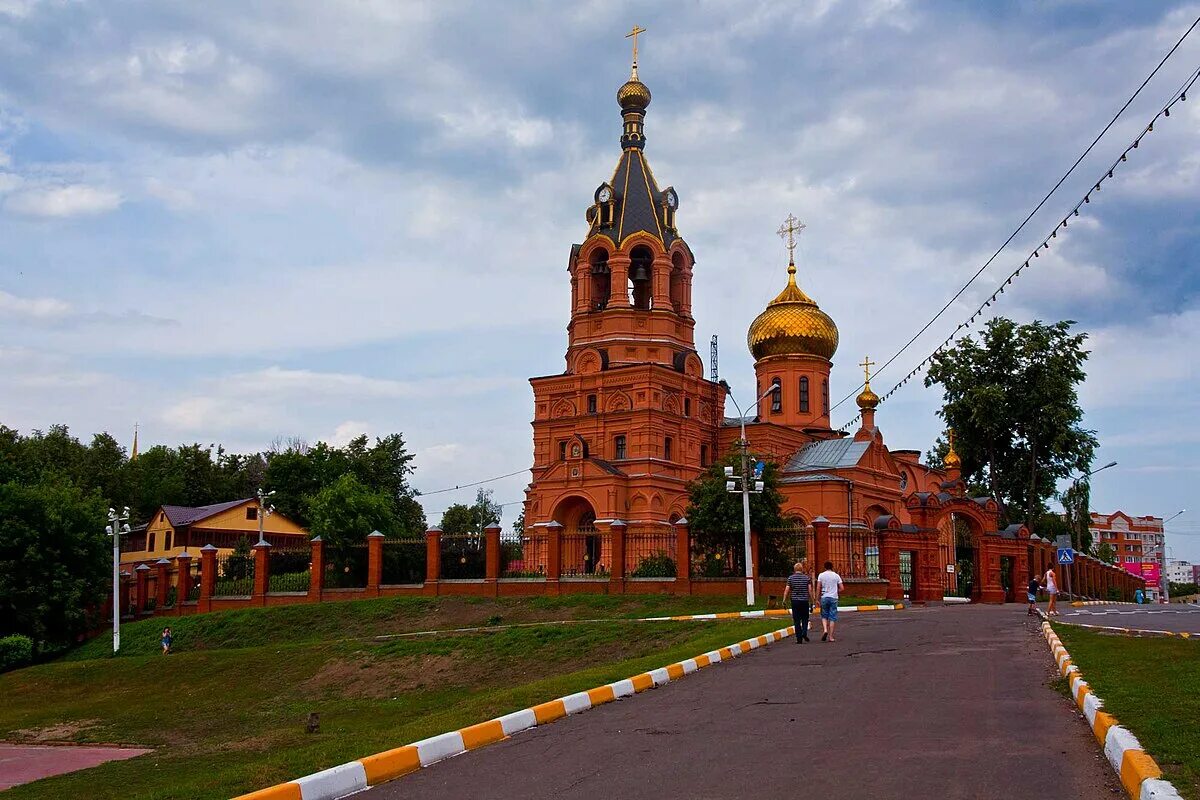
(1180, 94)
(476, 483)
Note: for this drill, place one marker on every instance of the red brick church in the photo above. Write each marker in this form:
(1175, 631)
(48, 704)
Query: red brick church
(631, 419)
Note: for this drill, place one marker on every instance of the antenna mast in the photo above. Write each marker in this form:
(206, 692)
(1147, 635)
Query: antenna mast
(713, 372)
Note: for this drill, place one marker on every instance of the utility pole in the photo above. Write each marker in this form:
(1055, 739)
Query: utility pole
(732, 480)
(264, 509)
(118, 524)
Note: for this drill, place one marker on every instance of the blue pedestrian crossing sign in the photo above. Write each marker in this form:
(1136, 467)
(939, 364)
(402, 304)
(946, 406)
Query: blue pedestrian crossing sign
(1066, 555)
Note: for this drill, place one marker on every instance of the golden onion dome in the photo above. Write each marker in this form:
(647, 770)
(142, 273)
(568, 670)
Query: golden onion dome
(633, 95)
(867, 399)
(952, 461)
(792, 324)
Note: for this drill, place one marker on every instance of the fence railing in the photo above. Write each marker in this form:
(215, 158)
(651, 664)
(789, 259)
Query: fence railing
(780, 548)
(651, 555)
(403, 560)
(464, 556)
(854, 552)
(717, 557)
(346, 566)
(235, 575)
(585, 552)
(289, 568)
(523, 555)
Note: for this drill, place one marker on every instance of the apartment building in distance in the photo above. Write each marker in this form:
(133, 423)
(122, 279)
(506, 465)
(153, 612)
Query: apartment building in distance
(1138, 543)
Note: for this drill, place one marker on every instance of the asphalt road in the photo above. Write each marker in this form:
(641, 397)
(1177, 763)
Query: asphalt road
(945, 702)
(1176, 617)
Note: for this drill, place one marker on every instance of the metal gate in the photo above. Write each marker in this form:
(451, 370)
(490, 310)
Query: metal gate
(906, 572)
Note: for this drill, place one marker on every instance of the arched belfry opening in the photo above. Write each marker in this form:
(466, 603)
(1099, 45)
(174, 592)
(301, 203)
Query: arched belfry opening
(601, 278)
(676, 286)
(641, 277)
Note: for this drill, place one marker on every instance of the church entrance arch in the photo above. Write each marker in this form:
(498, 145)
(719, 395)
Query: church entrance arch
(583, 551)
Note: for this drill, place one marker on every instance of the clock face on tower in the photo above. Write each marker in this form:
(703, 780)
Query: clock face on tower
(605, 194)
(672, 199)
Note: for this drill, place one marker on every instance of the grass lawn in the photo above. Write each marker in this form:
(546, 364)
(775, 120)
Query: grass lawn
(1152, 686)
(226, 712)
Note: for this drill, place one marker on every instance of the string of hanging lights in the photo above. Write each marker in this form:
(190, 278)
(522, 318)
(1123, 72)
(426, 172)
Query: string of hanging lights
(1180, 96)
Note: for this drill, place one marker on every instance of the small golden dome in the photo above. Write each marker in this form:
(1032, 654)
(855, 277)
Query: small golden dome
(867, 399)
(792, 324)
(952, 461)
(633, 95)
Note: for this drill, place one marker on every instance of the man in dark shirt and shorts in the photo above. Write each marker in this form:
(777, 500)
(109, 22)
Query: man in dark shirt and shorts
(798, 590)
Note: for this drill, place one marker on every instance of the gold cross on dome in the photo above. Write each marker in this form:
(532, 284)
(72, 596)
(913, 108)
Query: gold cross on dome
(866, 364)
(633, 34)
(788, 230)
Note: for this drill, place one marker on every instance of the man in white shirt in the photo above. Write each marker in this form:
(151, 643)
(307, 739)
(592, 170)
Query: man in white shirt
(831, 585)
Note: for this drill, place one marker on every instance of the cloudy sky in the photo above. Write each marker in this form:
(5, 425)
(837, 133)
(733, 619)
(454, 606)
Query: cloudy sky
(235, 222)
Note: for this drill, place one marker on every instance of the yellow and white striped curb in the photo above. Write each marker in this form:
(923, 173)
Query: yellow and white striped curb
(1139, 773)
(771, 612)
(1134, 631)
(1078, 603)
(356, 776)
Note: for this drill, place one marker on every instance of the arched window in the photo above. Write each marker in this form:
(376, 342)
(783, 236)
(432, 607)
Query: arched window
(667, 448)
(776, 396)
(825, 397)
(601, 278)
(641, 274)
(804, 394)
(618, 448)
(704, 455)
(676, 287)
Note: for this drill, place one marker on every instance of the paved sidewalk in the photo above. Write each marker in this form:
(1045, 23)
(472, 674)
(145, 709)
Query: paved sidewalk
(22, 763)
(938, 702)
(1174, 617)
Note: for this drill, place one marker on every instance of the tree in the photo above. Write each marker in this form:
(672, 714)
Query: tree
(715, 515)
(1011, 399)
(1106, 553)
(346, 511)
(518, 525)
(461, 518)
(54, 560)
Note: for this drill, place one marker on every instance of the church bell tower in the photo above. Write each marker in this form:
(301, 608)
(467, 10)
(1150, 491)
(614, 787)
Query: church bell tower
(631, 419)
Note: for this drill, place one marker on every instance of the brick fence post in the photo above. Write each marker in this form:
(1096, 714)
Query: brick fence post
(262, 572)
(553, 556)
(316, 569)
(126, 593)
(183, 580)
(163, 568)
(141, 572)
(374, 562)
(208, 576)
(616, 544)
(821, 551)
(433, 559)
(491, 569)
(683, 557)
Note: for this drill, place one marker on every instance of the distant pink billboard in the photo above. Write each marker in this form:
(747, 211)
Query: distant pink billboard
(1149, 570)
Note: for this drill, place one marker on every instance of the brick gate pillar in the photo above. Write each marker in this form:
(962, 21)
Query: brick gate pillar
(821, 550)
(433, 559)
(208, 576)
(141, 573)
(683, 557)
(262, 572)
(162, 568)
(616, 572)
(553, 556)
(316, 569)
(126, 593)
(988, 581)
(183, 581)
(374, 563)
(491, 560)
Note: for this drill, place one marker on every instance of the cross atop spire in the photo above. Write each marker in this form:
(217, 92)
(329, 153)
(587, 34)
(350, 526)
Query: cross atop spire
(790, 228)
(866, 364)
(633, 34)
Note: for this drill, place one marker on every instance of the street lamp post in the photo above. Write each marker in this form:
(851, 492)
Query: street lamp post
(118, 524)
(746, 490)
(1164, 583)
(264, 508)
(1074, 533)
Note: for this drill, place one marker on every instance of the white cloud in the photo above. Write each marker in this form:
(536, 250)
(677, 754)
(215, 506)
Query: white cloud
(63, 201)
(32, 307)
(348, 430)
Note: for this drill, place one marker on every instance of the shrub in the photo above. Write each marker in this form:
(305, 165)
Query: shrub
(16, 651)
(659, 565)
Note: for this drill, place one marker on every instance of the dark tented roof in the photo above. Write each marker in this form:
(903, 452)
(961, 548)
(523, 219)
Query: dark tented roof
(638, 200)
(187, 515)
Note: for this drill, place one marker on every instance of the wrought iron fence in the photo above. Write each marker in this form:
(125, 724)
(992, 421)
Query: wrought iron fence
(235, 575)
(290, 567)
(780, 548)
(523, 555)
(585, 553)
(464, 556)
(650, 554)
(346, 566)
(403, 560)
(172, 596)
(718, 557)
(194, 590)
(854, 552)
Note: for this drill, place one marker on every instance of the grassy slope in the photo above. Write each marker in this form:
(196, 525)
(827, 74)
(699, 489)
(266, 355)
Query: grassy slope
(228, 715)
(1152, 687)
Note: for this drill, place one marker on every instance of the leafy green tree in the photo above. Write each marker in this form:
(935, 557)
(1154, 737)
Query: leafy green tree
(461, 518)
(54, 560)
(1106, 553)
(518, 525)
(715, 515)
(346, 511)
(1011, 398)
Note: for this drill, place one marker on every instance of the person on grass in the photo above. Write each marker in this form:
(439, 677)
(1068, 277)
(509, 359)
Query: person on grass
(830, 584)
(1051, 582)
(798, 590)
(167, 638)
(1032, 590)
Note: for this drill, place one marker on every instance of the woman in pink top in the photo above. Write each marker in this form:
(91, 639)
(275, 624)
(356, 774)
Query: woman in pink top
(1051, 584)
